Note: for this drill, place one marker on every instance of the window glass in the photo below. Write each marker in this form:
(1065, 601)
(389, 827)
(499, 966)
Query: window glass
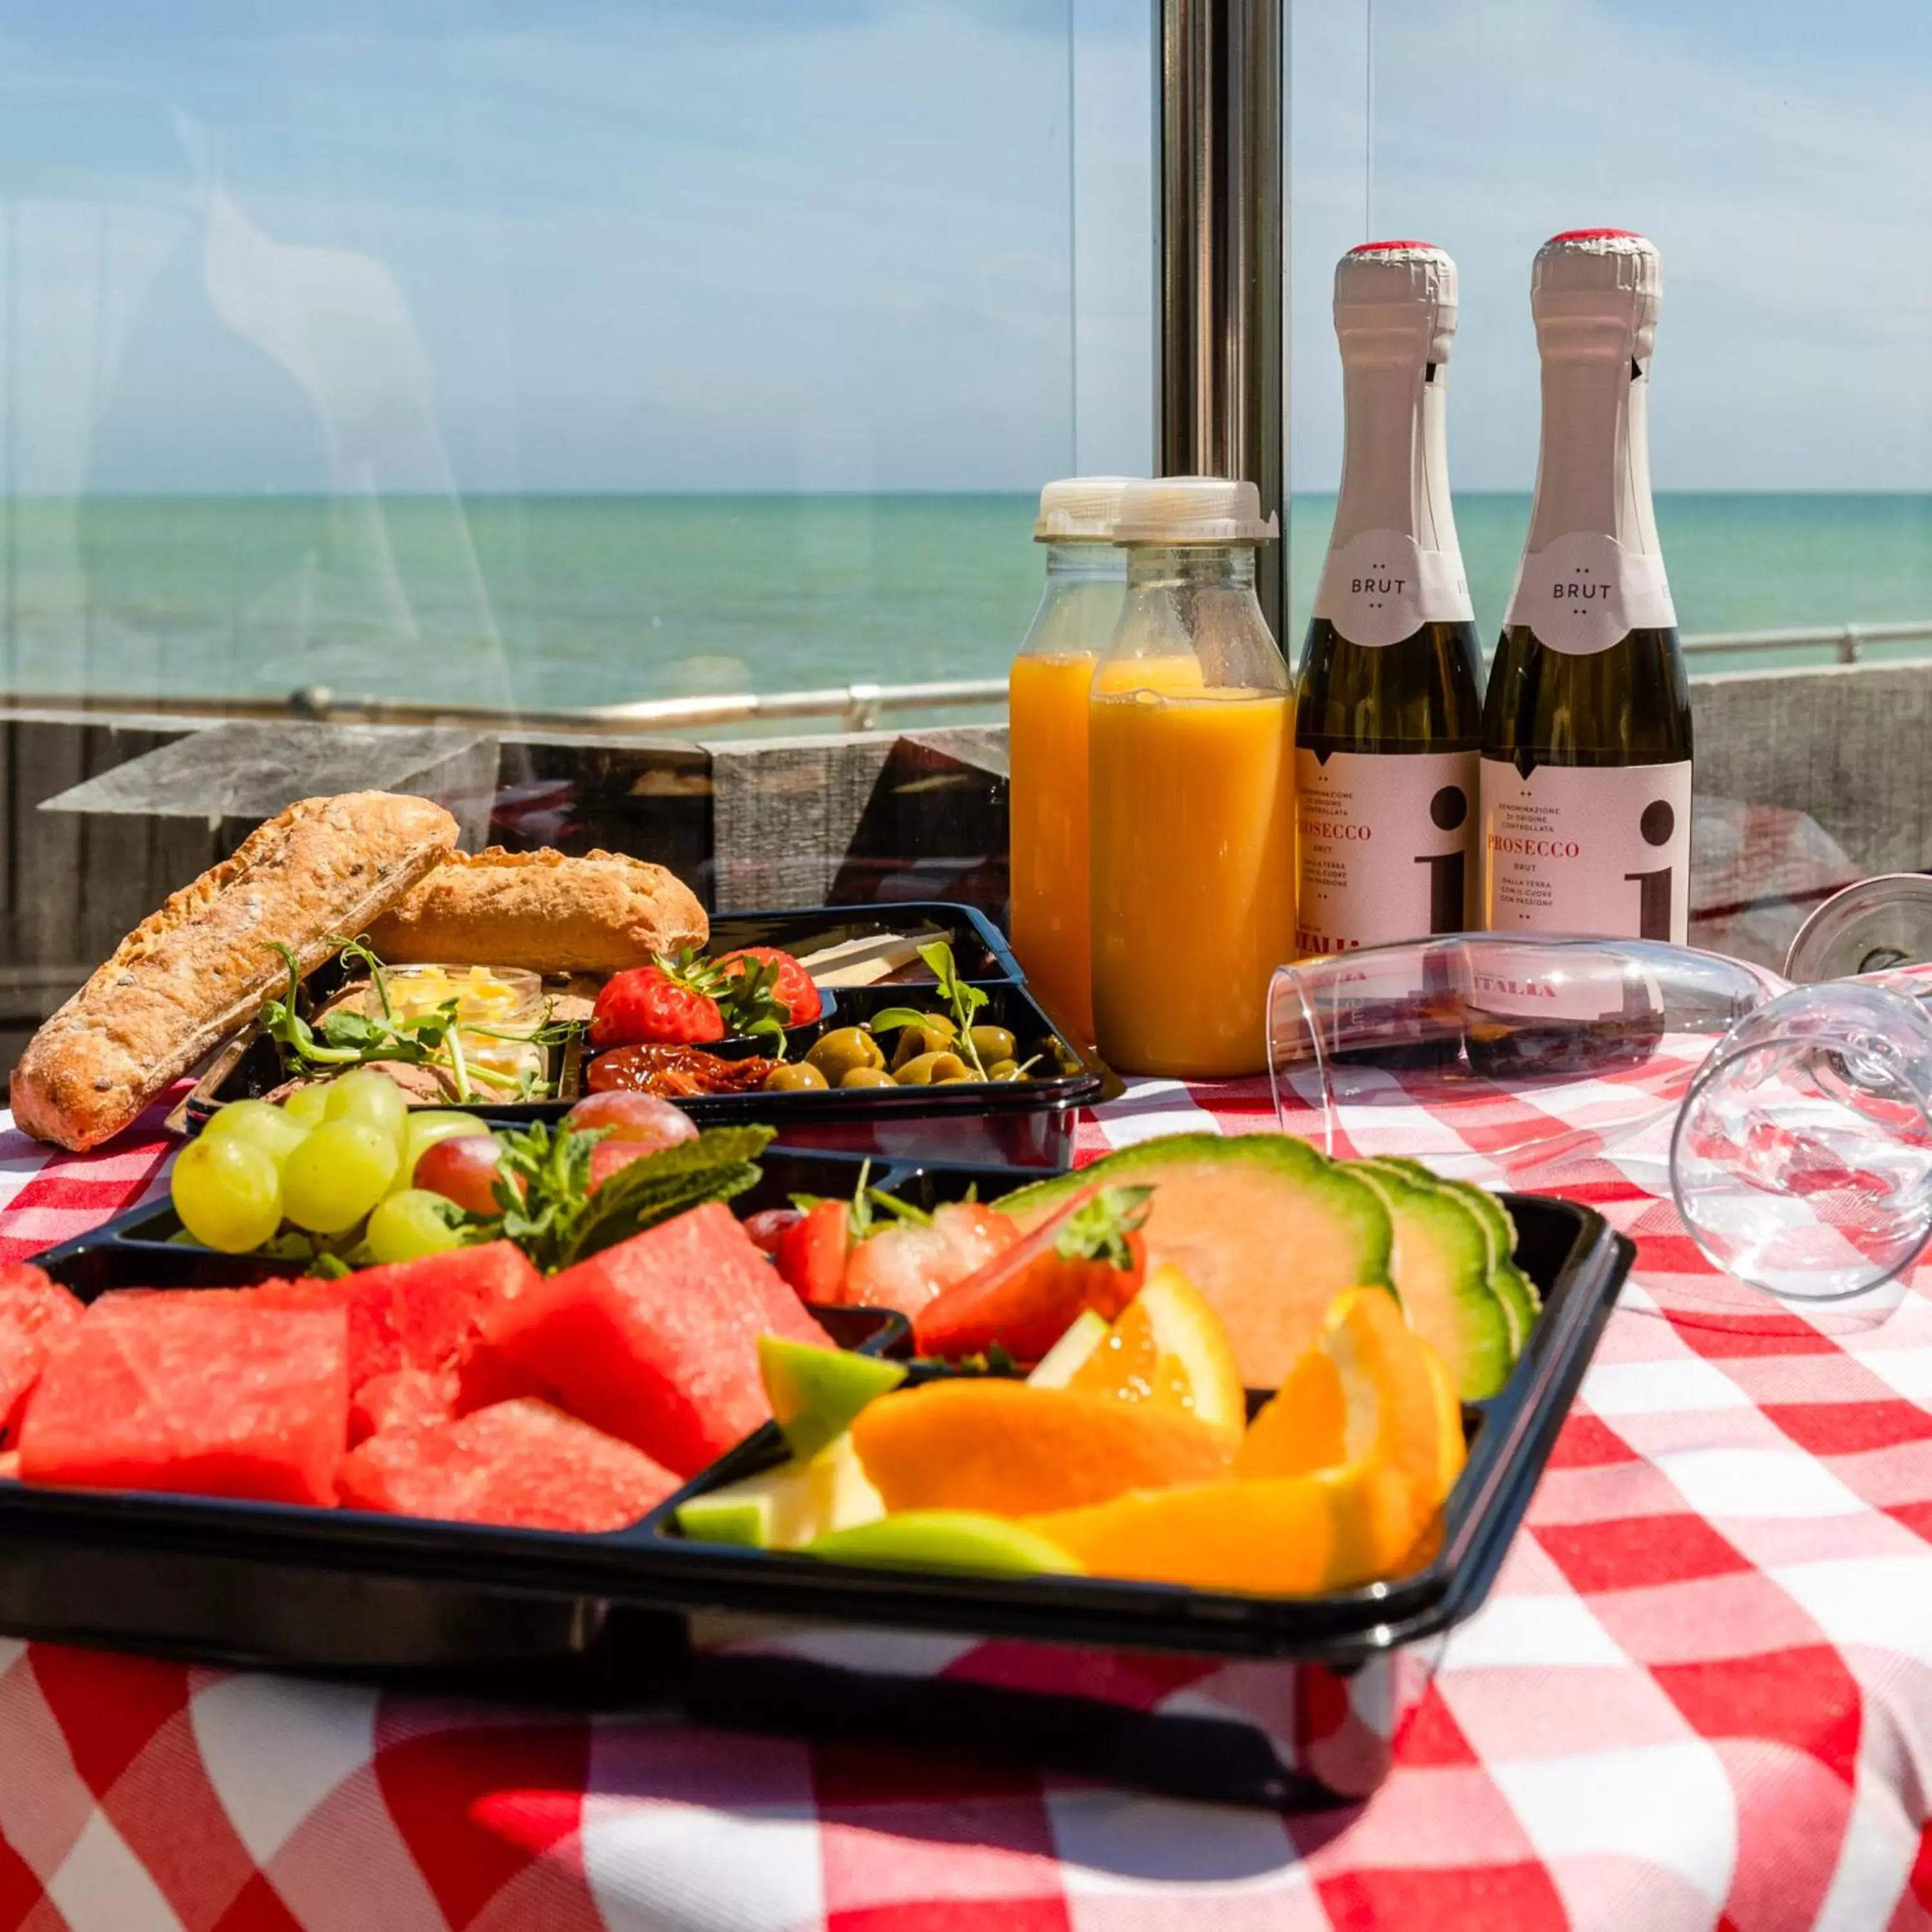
(554, 356)
(1778, 155)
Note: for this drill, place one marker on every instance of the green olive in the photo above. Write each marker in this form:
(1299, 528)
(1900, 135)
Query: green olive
(867, 1076)
(1004, 1070)
(966, 1079)
(929, 1069)
(934, 1034)
(837, 1053)
(795, 1077)
(992, 1043)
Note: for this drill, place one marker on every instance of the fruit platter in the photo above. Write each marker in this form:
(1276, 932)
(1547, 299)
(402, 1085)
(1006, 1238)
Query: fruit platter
(1218, 1393)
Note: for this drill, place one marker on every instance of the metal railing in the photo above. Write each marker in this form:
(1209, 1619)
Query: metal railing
(854, 707)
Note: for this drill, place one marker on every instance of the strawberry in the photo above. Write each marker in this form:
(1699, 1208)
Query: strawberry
(669, 1002)
(1091, 1256)
(764, 968)
(812, 1251)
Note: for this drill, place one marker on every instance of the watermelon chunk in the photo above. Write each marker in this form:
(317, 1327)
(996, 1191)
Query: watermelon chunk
(402, 1399)
(521, 1462)
(411, 1315)
(656, 1340)
(32, 1308)
(197, 1394)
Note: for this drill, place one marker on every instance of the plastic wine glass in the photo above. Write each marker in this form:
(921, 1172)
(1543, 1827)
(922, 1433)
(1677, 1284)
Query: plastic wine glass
(1801, 1161)
(1489, 1054)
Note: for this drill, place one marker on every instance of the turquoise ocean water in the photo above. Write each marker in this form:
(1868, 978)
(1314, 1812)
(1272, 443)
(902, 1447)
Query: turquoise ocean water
(551, 601)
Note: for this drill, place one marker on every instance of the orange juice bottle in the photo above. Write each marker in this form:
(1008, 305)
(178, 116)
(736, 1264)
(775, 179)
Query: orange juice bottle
(1191, 790)
(1046, 702)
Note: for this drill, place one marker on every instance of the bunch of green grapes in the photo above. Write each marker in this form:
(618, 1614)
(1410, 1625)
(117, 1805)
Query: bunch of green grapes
(326, 1160)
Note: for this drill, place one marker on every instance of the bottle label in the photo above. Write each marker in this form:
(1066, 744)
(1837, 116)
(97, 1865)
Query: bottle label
(1381, 586)
(1583, 593)
(1603, 851)
(1385, 847)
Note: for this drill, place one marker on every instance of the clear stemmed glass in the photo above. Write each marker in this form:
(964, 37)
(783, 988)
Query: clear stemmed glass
(1801, 1161)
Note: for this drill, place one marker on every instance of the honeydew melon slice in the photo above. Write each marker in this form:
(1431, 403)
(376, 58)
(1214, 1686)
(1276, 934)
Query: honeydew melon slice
(784, 1508)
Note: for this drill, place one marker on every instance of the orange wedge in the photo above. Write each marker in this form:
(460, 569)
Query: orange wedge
(983, 1443)
(1168, 1349)
(1278, 1536)
(1304, 1426)
(1394, 1414)
(1451, 1450)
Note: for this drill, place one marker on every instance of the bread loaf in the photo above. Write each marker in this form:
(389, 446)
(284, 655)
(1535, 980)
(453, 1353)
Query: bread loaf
(600, 914)
(190, 974)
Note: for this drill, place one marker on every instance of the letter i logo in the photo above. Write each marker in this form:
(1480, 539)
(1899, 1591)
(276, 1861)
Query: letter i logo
(1654, 896)
(1447, 870)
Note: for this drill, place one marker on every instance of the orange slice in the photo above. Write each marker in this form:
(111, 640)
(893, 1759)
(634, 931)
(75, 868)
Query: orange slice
(1304, 1426)
(1394, 1413)
(1169, 1349)
(984, 1443)
(1451, 1450)
(1278, 1536)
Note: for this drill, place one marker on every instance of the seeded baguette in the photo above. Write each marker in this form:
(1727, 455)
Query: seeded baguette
(600, 914)
(191, 973)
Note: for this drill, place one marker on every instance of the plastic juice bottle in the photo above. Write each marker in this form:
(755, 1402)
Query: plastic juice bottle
(1046, 700)
(1191, 725)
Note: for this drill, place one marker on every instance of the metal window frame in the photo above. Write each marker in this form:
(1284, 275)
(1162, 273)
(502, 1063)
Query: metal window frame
(1220, 255)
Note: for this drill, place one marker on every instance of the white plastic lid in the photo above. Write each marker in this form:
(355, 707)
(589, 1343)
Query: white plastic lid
(1192, 510)
(1080, 509)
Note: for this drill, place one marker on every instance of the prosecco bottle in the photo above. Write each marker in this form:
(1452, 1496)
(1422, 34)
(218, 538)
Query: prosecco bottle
(1388, 721)
(1586, 729)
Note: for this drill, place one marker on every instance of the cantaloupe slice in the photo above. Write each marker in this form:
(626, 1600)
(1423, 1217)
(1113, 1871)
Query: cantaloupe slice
(1267, 1228)
(1441, 1267)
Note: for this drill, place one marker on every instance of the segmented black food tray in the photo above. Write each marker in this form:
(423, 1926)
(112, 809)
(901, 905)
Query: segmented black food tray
(1027, 1123)
(344, 1591)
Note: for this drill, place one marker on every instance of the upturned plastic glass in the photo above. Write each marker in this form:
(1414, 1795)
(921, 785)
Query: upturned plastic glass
(1486, 1053)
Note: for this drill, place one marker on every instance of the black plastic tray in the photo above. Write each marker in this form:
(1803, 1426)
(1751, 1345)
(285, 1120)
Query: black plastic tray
(1026, 1123)
(269, 1584)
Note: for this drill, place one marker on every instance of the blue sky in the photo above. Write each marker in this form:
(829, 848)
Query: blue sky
(826, 244)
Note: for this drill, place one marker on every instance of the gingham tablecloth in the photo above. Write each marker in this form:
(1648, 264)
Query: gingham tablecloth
(1701, 1695)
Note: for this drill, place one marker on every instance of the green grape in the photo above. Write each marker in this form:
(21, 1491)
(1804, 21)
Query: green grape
(426, 1127)
(337, 1175)
(369, 1096)
(407, 1225)
(226, 1194)
(260, 1125)
(306, 1104)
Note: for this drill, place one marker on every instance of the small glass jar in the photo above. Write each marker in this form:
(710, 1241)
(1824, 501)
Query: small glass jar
(502, 999)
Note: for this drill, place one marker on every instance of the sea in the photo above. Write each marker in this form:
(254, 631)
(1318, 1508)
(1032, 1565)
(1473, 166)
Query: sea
(533, 603)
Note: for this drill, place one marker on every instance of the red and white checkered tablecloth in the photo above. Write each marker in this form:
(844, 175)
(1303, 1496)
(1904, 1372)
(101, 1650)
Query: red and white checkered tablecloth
(1701, 1695)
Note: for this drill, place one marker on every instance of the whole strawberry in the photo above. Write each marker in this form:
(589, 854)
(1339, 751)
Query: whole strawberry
(665, 1003)
(765, 969)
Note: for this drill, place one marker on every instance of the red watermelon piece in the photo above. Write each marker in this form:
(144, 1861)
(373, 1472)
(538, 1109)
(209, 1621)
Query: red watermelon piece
(412, 1315)
(402, 1399)
(656, 1340)
(198, 1394)
(523, 1463)
(32, 1308)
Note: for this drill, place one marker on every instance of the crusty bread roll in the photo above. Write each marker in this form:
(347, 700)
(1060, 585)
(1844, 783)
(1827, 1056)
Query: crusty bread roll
(597, 914)
(190, 974)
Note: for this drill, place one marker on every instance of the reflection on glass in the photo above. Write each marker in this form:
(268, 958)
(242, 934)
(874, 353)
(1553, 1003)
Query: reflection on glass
(555, 357)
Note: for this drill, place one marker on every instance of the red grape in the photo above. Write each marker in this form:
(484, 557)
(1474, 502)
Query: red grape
(638, 1119)
(607, 1157)
(767, 1226)
(463, 1170)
